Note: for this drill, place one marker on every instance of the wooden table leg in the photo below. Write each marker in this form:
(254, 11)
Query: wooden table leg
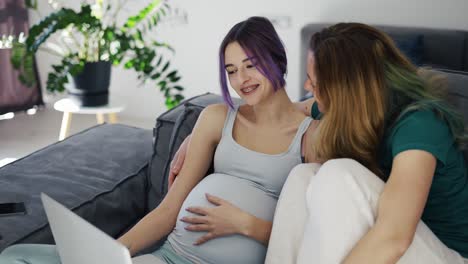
(65, 128)
(113, 118)
(100, 118)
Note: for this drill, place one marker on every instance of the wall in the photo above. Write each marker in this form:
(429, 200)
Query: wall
(196, 42)
(425, 13)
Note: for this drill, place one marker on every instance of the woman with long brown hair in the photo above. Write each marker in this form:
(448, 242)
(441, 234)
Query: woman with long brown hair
(387, 181)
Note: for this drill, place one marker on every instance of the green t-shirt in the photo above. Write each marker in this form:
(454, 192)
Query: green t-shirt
(446, 211)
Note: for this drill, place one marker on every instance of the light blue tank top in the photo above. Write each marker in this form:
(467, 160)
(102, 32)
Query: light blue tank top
(264, 171)
(248, 179)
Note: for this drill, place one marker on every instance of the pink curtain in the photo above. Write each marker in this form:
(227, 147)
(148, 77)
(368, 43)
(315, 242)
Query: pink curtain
(14, 96)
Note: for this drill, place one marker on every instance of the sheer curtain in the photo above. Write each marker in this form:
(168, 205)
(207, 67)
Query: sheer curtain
(14, 96)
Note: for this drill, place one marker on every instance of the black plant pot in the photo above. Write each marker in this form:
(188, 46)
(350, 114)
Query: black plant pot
(92, 84)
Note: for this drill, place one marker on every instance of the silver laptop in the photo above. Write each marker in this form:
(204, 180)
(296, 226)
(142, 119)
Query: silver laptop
(79, 242)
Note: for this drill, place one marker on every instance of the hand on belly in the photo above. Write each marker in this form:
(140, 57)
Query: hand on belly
(221, 220)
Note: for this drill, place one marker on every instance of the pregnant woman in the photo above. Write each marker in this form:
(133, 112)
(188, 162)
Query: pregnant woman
(227, 216)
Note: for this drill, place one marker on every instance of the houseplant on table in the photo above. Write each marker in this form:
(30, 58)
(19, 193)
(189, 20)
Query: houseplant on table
(91, 40)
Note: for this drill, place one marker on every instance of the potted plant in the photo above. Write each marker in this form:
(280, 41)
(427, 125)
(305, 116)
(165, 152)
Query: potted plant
(91, 41)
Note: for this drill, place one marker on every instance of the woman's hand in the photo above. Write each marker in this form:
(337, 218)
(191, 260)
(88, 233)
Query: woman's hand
(222, 220)
(178, 161)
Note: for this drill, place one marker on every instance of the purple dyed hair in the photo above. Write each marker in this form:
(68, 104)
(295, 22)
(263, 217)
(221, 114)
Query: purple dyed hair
(258, 38)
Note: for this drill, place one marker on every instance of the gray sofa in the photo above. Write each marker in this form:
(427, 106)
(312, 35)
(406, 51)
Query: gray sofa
(112, 175)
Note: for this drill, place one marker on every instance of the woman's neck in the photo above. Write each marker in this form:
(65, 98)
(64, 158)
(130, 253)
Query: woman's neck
(274, 109)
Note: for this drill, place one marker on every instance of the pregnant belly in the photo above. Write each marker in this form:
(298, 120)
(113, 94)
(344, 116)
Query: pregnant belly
(227, 249)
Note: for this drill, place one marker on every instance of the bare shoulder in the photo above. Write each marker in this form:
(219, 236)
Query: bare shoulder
(211, 121)
(310, 133)
(216, 113)
(312, 126)
(216, 108)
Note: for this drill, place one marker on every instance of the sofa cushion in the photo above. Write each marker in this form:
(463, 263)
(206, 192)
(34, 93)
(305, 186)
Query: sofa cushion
(99, 173)
(443, 48)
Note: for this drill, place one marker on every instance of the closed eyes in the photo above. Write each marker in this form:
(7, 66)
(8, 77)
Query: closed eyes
(311, 82)
(232, 71)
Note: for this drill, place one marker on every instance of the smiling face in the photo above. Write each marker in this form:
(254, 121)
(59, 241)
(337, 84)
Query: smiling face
(311, 82)
(245, 79)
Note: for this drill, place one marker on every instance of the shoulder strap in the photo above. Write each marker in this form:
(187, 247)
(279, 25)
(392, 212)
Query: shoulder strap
(296, 144)
(229, 122)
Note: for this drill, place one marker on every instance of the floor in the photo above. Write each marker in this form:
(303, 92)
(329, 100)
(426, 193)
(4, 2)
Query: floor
(26, 133)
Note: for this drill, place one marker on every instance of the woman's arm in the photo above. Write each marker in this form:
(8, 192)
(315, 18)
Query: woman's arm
(160, 222)
(258, 229)
(399, 210)
(178, 161)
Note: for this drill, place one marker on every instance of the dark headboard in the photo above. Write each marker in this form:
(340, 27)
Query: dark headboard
(442, 48)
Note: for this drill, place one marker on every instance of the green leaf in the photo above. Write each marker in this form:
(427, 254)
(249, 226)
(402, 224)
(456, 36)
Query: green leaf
(162, 44)
(179, 97)
(166, 66)
(162, 85)
(134, 20)
(148, 69)
(129, 64)
(171, 74)
(180, 88)
(156, 76)
(154, 20)
(138, 35)
(31, 4)
(170, 103)
(76, 69)
(57, 68)
(109, 35)
(24, 62)
(18, 52)
(159, 61)
(175, 79)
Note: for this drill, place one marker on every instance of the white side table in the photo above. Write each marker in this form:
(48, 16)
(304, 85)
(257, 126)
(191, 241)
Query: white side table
(69, 107)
